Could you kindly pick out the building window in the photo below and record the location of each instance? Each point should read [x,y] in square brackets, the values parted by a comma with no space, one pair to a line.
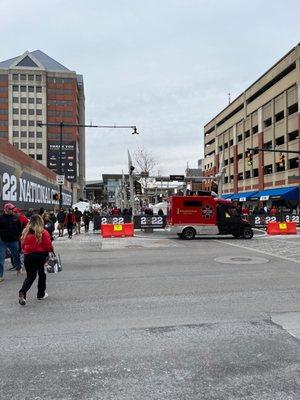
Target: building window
[38,123]
[255,129]
[39,157]
[267,122]
[240,176]
[240,156]
[15,77]
[15,134]
[15,88]
[31,111]
[268,169]
[38,112]
[23,122]
[293,135]
[231,160]
[31,145]
[225,162]
[31,89]
[231,177]
[39,89]
[15,99]
[16,122]
[23,111]
[23,88]
[23,145]
[23,77]
[279,116]
[15,111]
[247,134]
[279,141]
[23,134]
[226,179]
[268,145]
[231,142]
[31,134]
[31,123]
[23,100]
[220,148]
[255,173]
[240,138]
[16,145]
[247,174]
[31,155]
[30,77]
[31,100]
[39,145]
[293,109]
[39,134]
[293,163]
[226,145]
[38,101]
[38,78]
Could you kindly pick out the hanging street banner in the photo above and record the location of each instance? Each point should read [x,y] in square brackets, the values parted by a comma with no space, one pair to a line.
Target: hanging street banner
[27,191]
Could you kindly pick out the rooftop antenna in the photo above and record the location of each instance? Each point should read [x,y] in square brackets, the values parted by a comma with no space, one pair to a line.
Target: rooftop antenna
[229,100]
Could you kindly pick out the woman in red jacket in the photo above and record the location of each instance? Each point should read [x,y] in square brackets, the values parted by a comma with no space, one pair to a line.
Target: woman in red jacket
[36,245]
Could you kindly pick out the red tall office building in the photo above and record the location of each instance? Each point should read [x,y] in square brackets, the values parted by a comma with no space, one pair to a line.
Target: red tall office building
[34,89]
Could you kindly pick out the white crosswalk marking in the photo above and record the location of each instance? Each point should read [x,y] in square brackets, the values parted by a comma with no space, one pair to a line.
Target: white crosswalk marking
[286,248]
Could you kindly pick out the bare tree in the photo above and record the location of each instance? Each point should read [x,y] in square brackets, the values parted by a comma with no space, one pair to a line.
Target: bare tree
[144,160]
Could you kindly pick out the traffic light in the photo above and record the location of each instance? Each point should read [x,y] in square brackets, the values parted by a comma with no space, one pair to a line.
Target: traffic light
[249,158]
[282,160]
[137,187]
[132,168]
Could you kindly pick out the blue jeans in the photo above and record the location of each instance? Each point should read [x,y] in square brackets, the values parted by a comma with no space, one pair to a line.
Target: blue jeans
[15,252]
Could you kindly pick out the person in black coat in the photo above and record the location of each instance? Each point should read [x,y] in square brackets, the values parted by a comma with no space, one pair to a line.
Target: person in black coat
[48,225]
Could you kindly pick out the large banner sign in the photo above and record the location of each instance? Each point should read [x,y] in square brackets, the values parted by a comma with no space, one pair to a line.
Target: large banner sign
[26,191]
[263,220]
[68,159]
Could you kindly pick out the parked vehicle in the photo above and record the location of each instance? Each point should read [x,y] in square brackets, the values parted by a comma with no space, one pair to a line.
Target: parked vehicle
[189,216]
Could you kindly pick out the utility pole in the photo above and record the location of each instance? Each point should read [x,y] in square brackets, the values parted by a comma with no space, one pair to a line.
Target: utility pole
[130,171]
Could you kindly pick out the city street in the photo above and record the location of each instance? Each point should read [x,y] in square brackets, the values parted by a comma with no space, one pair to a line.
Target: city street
[156,317]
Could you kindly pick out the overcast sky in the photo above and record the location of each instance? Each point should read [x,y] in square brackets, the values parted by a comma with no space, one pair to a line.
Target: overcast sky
[164,65]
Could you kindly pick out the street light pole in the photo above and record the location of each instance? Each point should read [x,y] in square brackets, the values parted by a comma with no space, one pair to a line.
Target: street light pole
[62,124]
[60,164]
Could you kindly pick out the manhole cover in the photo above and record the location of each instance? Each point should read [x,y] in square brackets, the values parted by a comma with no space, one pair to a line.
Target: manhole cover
[241,260]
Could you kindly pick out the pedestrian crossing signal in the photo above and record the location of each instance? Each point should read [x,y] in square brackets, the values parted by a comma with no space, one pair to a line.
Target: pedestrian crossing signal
[55,196]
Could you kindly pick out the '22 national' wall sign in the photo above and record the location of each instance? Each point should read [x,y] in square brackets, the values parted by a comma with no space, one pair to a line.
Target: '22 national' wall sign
[25,190]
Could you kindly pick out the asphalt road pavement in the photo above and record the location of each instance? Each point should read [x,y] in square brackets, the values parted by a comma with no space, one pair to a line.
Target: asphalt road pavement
[155,317]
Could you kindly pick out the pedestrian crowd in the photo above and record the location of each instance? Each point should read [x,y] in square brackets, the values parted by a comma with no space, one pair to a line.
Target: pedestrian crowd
[26,239]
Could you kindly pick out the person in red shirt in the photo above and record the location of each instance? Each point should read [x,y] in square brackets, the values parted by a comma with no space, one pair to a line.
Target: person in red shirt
[70,221]
[36,245]
[24,220]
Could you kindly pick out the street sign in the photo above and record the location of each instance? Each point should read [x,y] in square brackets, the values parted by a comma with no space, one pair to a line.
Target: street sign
[179,178]
[60,179]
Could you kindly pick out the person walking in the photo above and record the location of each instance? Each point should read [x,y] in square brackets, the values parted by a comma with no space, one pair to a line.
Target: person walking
[70,221]
[78,215]
[61,216]
[10,233]
[36,245]
[48,224]
[86,217]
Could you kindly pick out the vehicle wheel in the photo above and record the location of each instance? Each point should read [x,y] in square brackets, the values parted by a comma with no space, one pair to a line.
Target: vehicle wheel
[188,233]
[179,235]
[247,232]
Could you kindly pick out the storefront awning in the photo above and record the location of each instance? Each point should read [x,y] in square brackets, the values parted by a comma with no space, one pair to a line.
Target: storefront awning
[286,193]
[226,196]
[242,196]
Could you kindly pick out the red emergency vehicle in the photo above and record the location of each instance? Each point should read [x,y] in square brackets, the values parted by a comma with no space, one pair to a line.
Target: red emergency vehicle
[192,215]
